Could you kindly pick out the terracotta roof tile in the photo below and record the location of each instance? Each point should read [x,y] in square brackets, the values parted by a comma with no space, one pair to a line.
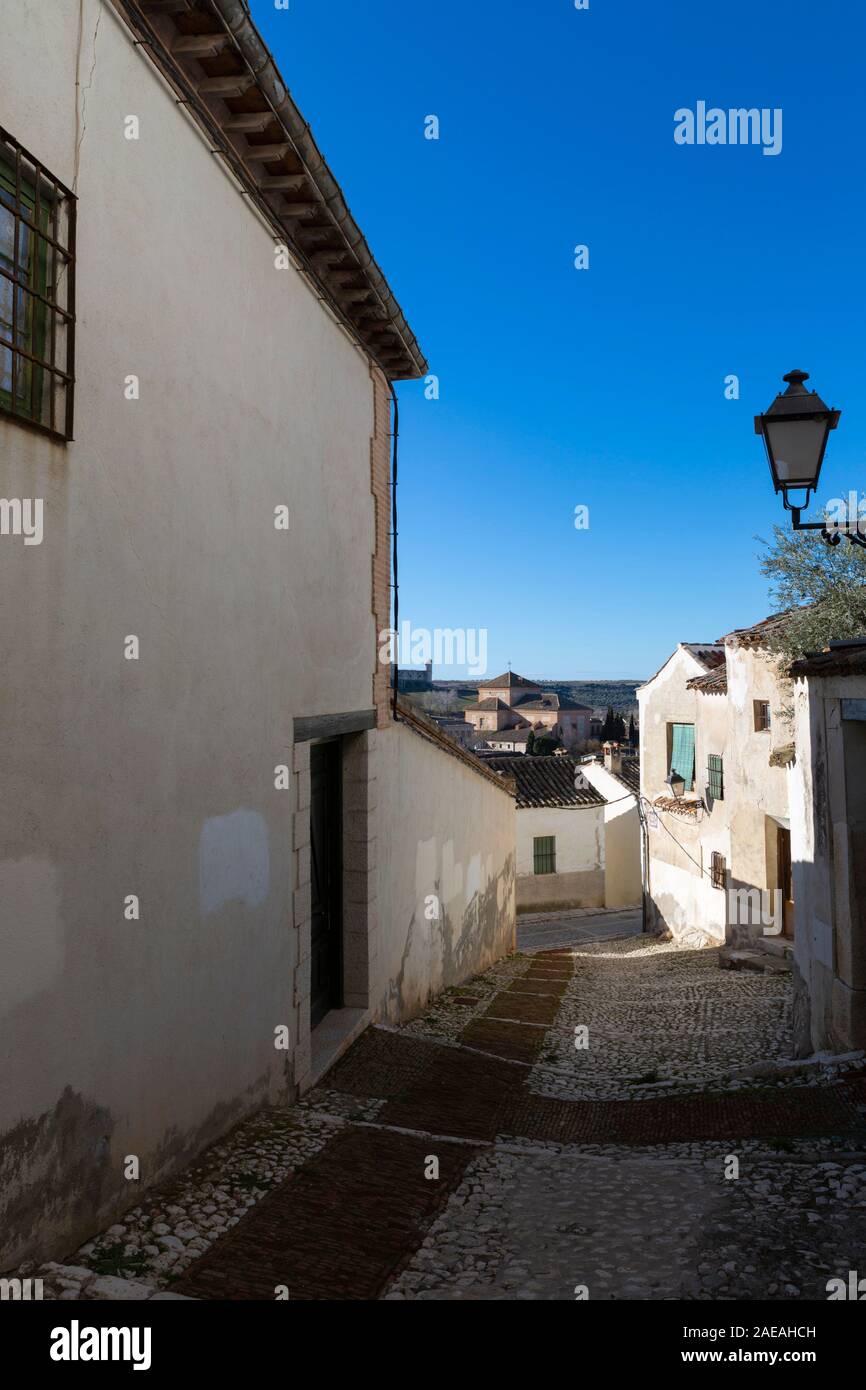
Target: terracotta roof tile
[758,634]
[545,781]
[511,680]
[630,774]
[551,701]
[713,683]
[838,659]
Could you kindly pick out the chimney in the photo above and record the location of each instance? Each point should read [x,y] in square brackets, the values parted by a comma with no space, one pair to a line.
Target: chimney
[613,757]
[428,667]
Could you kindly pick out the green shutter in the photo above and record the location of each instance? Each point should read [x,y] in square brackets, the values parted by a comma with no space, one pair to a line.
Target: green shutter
[544,854]
[716,777]
[683,753]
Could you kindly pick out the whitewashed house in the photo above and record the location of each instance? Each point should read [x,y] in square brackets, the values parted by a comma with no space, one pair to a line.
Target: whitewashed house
[616,777]
[221,856]
[828,847]
[718,857]
[559,833]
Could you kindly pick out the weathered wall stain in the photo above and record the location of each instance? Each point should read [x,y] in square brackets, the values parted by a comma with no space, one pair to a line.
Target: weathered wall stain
[55,1175]
[233,861]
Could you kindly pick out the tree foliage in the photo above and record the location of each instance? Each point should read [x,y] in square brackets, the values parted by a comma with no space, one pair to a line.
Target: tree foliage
[613,728]
[823,585]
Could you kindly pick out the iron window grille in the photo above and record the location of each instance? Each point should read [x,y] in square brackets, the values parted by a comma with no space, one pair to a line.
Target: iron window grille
[37,293]
[717,870]
[716,777]
[544,854]
[762,716]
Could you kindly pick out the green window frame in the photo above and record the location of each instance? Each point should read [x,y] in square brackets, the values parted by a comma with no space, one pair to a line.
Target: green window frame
[716,776]
[683,753]
[544,854]
[37,292]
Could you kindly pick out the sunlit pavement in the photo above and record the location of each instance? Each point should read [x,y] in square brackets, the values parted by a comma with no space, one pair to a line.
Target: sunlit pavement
[551,930]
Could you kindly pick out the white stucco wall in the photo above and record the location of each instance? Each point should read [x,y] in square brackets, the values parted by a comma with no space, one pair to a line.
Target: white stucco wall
[828,839]
[742,825]
[622,849]
[579,877]
[759,797]
[156,777]
[681,897]
[447,833]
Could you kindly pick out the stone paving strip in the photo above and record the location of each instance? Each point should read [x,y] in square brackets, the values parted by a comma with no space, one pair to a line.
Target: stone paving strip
[557,1170]
[553,1223]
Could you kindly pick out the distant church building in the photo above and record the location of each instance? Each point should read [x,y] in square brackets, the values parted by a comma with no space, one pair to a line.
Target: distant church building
[512,702]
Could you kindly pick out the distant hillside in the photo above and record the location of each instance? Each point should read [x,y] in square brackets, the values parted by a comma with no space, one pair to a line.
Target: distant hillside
[596,694]
[599,694]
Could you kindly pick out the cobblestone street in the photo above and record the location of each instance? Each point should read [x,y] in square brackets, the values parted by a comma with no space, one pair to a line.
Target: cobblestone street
[561,1168]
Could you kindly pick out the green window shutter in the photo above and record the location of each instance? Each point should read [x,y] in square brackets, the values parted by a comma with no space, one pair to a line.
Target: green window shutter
[544,854]
[716,777]
[683,753]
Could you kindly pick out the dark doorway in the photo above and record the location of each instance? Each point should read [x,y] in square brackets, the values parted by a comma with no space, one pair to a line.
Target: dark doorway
[326,871]
[783,843]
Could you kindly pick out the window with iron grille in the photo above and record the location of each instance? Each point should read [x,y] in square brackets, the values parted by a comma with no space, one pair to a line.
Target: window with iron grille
[717,870]
[716,777]
[544,854]
[762,716]
[37,293]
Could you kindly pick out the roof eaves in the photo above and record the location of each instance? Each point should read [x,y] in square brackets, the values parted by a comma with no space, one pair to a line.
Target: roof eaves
[420,726]
[237,95]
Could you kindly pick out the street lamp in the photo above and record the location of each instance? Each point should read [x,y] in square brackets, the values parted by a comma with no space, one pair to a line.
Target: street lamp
[676,784]
[795,431]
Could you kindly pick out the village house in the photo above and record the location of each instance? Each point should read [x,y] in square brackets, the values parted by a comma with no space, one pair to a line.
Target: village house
[718,845]
[224,850]
[559,834]
[616,777]
[506,741]
[511,701]
[828,848]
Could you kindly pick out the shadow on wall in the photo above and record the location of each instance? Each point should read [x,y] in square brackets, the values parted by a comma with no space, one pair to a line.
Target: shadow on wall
[439,951]
[62,1178]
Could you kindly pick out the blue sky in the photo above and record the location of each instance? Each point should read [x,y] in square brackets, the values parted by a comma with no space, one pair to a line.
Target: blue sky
[603,387]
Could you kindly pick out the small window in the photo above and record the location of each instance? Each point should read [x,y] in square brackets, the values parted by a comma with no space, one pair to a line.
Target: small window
[716,777]
[37,280]
[682,759]
[762,716]
[717,870]
[544,854]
